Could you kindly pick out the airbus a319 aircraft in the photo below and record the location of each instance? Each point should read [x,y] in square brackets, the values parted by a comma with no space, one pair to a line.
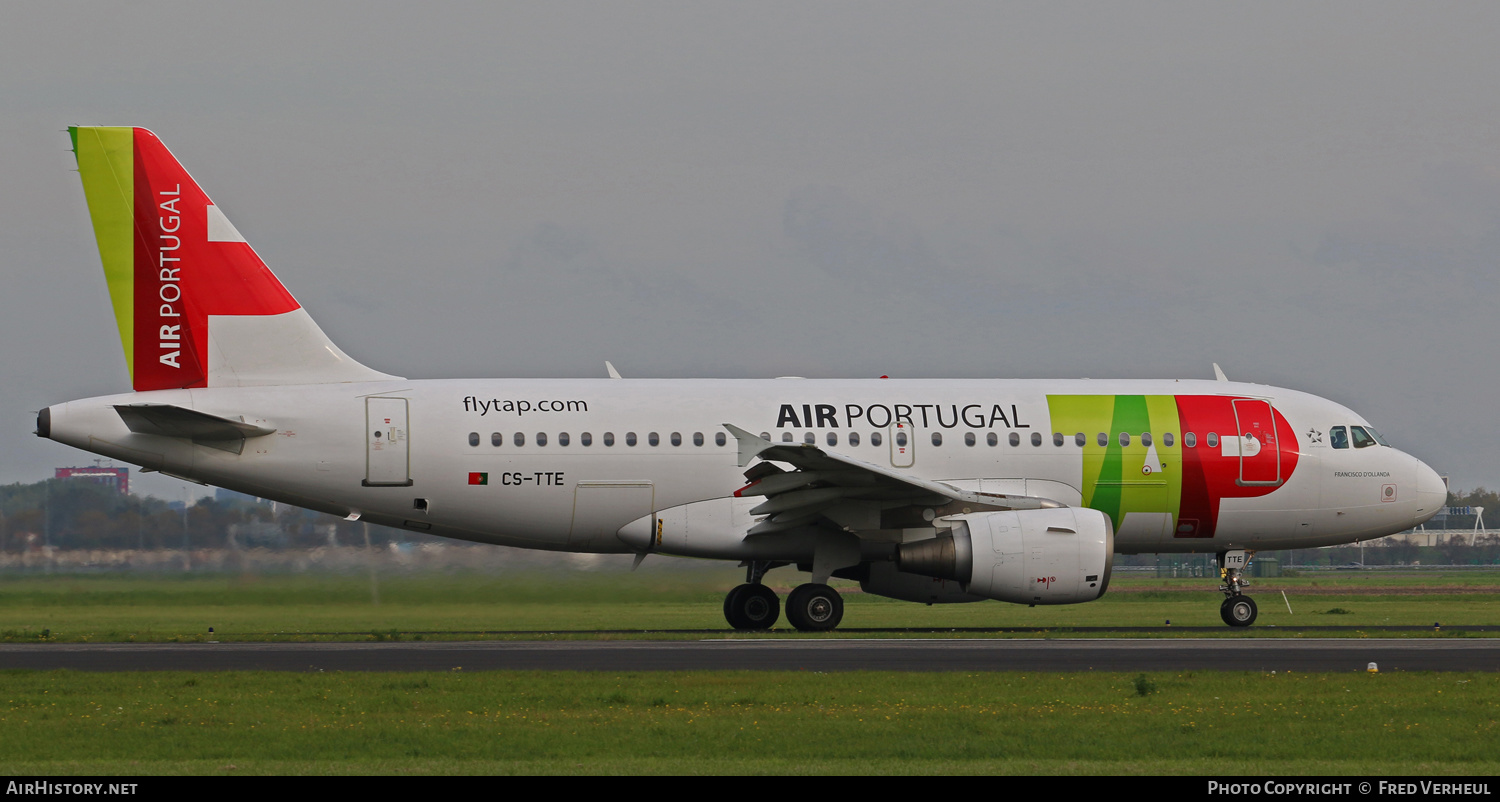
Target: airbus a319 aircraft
[928,491]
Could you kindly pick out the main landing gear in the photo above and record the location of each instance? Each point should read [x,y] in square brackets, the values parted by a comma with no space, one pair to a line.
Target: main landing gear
[1238,610]
[813,607]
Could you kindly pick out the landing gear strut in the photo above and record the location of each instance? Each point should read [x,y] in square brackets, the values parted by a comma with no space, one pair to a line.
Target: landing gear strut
[753,606]
[1238,610]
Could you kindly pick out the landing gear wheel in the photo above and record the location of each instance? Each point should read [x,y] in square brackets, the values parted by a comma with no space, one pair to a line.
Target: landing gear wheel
[1238,611]
[814,608]
[752,607]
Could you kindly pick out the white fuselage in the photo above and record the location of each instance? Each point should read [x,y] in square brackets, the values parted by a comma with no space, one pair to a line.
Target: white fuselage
[459,471]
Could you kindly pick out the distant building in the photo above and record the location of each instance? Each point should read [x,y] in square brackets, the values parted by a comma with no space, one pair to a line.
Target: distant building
[116,478]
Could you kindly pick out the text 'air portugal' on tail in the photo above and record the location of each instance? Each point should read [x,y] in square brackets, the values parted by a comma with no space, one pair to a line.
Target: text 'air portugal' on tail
[195,304]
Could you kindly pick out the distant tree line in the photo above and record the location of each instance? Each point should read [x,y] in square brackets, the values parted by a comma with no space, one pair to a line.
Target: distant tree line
[1478,497]
[80,514]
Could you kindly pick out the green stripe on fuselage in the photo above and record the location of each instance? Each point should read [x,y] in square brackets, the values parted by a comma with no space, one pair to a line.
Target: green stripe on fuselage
[106,162]
[1114,478]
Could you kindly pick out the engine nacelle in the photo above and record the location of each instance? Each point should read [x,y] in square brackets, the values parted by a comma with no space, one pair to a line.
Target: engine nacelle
[883,579]
[1048,556]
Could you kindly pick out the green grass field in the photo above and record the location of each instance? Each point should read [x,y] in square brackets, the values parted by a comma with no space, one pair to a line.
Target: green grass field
[295,606]
[1217,723]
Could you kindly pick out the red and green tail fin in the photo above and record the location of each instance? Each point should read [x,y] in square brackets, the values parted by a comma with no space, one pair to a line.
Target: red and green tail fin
[195,304]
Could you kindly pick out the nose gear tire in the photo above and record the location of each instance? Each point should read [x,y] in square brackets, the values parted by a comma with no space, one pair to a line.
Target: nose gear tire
[814,608]
[1238,611]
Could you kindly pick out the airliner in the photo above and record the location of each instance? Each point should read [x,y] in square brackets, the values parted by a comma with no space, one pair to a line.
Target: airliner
[929,491]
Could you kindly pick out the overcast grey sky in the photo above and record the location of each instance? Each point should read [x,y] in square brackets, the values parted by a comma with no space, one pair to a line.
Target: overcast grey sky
[1308,194]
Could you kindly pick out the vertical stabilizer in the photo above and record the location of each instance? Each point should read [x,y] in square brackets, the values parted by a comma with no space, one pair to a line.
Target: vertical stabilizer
[195,304]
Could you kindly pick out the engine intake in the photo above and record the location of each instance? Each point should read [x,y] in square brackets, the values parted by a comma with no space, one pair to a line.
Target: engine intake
[1047,556]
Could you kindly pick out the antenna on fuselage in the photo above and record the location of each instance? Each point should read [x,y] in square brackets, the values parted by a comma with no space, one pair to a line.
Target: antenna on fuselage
[613,374]
[1219,373]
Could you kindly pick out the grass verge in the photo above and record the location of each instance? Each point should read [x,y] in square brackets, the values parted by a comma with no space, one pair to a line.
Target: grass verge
[748,722]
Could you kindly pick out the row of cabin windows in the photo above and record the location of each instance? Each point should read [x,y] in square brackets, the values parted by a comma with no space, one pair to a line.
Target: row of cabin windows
[1058,439]
[1360,436]
[1189,439]
[587,439]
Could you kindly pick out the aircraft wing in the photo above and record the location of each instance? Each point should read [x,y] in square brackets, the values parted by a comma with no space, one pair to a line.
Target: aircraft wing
[821,480]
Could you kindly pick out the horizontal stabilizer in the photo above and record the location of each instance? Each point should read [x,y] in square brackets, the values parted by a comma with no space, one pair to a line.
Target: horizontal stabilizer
[166,420]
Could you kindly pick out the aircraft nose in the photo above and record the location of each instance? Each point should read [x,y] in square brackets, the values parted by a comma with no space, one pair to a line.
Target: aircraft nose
[1432,494]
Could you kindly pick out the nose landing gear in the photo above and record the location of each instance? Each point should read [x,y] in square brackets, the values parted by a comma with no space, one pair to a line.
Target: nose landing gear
[1238,610]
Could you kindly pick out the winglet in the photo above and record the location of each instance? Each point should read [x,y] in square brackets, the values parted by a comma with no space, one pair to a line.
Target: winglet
[750,444]
[1219,373]
[613,374]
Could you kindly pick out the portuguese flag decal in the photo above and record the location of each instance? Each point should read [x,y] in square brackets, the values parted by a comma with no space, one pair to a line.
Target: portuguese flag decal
[479,478]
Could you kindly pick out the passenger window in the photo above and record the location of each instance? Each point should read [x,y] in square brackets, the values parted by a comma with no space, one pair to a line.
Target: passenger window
[833,438]
[1015,439]
[1057,438]
[541,438]
[520,439]
[854,438]
[562,438]
[497,439]
[1338,437]
[786,437]
[901,438]
[1080,439]
[1166,439]
[1036,438]
[654,439]
[719,438]
[473,438]
[586,439]
[992,438]
[875,438]
[1190,440]
[676,438]
[1213,440]
[809,438]
[697,438]
[968,438]
[1124,438]
[1146,439]
[609,438]
[1102,440]
[937,438]
[1362,439]
[765,435]
[630,438]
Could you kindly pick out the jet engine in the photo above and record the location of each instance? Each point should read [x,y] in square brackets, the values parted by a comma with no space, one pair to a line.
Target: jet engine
[1046,556]
[884,579]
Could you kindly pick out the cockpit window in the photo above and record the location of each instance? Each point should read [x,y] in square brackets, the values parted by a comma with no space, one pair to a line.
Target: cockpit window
[1362,439]
[1338,437]
[1376,435]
